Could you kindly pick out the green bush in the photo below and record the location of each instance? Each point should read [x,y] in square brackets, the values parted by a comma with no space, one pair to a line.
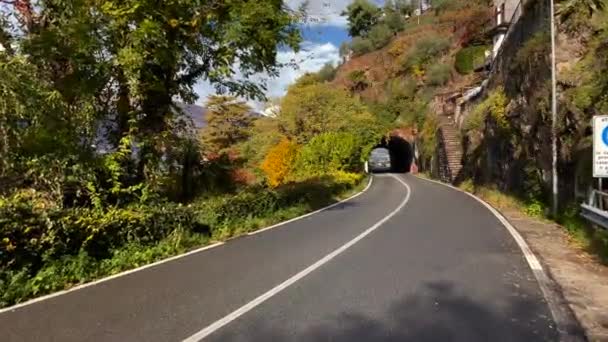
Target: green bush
[360,46]
[494,106]
[45,248]
[31,233]
[358,80]
[439,74]
[470,58]
[425,51]
[329,152]
[380,35]
[394,21]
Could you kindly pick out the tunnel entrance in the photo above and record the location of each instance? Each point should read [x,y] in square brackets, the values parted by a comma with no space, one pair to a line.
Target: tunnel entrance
[401,153]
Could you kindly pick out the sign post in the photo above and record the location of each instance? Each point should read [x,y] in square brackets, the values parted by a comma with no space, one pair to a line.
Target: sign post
[600,148]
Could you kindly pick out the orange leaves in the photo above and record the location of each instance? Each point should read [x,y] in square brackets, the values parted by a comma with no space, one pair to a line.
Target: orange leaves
[279,161]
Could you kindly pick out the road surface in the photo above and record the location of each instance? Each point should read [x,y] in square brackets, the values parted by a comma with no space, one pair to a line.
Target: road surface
[408,260]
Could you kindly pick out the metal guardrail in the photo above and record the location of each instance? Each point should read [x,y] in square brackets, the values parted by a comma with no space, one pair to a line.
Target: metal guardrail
[595,210]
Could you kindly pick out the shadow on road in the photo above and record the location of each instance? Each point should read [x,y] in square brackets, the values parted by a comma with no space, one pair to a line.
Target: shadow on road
[438,314]
[343,205]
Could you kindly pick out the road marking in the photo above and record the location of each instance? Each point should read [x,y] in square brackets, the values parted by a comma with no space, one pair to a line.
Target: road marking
[176,257]
[369,184]
[563,319]
[275,290]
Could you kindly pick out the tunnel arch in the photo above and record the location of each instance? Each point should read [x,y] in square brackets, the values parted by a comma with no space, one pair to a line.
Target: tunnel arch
[401,152]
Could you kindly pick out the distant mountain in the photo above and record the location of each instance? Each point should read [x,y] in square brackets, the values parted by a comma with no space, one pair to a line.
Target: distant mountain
[197,113]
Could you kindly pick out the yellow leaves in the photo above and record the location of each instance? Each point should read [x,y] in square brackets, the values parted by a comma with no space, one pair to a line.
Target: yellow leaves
[173,23]
[495,105]
[418,71]
[8,245]
[279,161]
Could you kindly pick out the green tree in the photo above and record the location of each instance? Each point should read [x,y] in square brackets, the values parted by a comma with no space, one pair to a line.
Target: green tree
[362,16]
[122,65]
[328,72]
[380,35]
[361,45]
[229,123]
[317,108]
[405,7]
[330,152]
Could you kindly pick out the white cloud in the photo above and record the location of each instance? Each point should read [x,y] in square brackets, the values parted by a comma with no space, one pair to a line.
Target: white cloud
[310,58]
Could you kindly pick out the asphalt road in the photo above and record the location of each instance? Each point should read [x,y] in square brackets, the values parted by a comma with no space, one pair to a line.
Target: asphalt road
[424,264]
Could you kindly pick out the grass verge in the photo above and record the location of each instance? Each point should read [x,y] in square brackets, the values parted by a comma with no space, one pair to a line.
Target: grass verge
[582,233]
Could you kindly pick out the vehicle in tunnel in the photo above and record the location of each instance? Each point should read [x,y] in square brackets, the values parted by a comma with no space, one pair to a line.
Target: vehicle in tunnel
[379,160]
[400,155]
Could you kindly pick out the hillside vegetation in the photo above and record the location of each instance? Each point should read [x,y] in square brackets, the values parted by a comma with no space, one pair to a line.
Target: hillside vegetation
[399,79]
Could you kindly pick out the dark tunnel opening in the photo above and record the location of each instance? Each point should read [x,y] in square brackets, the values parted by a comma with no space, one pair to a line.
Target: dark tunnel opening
[401,153]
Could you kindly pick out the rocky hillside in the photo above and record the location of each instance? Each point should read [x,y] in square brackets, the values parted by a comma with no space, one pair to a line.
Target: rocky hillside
[405,59]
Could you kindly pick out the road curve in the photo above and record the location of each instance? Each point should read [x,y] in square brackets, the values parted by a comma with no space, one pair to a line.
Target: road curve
[439,268]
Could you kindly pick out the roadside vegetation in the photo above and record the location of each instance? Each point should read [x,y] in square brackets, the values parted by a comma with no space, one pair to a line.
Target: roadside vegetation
[102,170]
[591,239]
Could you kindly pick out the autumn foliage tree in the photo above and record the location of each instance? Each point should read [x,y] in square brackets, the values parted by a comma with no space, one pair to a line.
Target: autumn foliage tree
[229,122]
[279,162]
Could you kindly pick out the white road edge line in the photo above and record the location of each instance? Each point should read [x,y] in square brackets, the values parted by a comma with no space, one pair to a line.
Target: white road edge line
[275,290]
[369,184]
[547,287]
[117,275]
[141,268]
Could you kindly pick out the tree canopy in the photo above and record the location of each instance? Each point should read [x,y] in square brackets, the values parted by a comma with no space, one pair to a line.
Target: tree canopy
[316,108]
[229,122]
[362,16]
[87,75]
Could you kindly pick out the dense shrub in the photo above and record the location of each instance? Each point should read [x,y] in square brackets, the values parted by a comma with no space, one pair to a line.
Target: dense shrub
[439,74]
[360,46]
[31,232]
[358,80]
[329,152]
[279,161]
[470,58]
[380,35]
[327,72]
[45,249]
[494,106]
[425,51]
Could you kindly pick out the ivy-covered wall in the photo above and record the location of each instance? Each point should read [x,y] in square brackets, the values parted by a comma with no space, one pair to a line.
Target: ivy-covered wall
[506,129]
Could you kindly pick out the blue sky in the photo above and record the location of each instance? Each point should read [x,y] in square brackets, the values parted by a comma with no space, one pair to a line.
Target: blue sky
[322,40]
[335,35]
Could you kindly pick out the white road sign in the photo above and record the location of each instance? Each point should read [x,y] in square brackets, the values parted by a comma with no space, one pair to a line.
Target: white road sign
[600,146]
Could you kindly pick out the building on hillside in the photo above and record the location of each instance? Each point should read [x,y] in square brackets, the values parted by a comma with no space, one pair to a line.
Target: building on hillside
[421,6]
[506,12]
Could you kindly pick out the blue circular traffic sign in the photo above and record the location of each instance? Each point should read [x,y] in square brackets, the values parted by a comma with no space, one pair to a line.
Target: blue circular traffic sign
[605,135]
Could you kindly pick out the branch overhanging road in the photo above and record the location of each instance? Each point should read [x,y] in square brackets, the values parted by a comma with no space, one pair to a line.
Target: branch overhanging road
[407,260]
